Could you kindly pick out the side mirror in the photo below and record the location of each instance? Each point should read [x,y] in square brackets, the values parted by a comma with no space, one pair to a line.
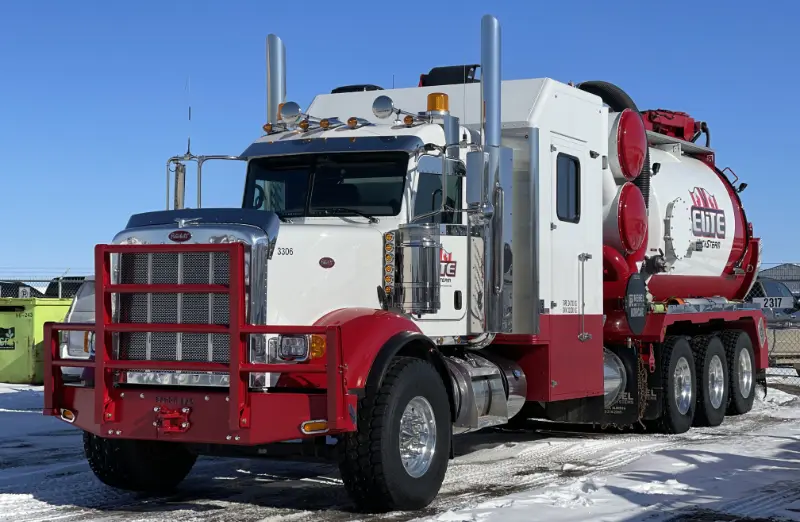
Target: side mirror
[476,167]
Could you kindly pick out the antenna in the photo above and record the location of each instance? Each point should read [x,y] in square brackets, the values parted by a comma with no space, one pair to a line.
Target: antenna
[464,100]
[392,81]
[189,125]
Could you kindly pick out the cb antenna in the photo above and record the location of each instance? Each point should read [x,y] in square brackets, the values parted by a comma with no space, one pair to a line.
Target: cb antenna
[189,125]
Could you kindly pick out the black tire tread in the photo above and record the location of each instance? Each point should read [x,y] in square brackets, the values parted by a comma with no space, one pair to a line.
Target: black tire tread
[700,344]
[664,424]
[730,338]
[360,460]
[138,465]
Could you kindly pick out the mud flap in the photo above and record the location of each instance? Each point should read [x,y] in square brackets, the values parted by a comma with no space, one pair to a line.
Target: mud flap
[655,390]
[761,381]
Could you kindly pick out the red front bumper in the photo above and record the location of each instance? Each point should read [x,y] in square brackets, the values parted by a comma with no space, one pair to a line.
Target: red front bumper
[235,415]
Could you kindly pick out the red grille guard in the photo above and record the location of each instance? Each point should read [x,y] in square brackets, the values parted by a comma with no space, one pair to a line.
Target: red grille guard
[252,417]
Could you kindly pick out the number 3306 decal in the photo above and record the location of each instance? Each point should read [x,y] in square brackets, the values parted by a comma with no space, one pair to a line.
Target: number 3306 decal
[285,251]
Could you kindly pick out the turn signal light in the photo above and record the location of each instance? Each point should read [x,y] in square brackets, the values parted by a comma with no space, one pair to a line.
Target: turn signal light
[352,122]
[438,102]
[267,127]
[303,125]
[408,120]
[317,348]
[314,426]
[67,415]
[324,124]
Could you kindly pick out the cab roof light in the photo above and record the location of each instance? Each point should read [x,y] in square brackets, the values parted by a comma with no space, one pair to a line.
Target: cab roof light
[274,128]
[354,122]
[438,103]
[330,123]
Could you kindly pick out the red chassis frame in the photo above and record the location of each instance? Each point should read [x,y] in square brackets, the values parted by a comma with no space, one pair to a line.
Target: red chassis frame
[176,414]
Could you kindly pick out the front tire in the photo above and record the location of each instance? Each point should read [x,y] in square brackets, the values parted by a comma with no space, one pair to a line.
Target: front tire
[679,382]
[713,380]
[741,368]
[398,457]
[138,465]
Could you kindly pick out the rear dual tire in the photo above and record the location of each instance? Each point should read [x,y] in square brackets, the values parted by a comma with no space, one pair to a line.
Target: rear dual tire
[679,384]
[741,371]
[713,383]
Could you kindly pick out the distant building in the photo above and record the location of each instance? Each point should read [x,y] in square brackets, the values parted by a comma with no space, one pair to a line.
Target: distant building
[787,273]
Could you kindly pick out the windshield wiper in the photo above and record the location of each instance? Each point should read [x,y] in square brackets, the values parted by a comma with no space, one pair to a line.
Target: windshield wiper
[284,215]
[346,209]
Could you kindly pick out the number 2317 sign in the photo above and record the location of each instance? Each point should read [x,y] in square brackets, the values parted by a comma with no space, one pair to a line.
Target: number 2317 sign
[774,302]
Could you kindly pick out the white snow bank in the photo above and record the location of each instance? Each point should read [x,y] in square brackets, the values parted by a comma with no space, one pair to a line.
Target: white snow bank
[752,471]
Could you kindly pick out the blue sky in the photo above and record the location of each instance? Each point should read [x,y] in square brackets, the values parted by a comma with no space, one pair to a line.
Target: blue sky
[93,94]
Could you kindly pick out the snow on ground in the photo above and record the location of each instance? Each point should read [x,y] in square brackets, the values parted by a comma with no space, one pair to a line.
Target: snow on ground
[748,469]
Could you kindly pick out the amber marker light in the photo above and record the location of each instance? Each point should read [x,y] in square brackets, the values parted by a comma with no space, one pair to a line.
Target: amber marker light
[438,102]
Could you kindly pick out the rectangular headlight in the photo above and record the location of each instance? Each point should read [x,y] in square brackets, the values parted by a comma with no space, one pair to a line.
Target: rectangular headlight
[293,348]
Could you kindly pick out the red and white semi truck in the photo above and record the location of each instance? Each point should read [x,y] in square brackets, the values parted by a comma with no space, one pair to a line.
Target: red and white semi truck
[412,264]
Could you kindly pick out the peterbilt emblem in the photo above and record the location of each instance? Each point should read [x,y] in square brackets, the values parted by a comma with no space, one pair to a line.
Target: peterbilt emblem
[179,236]
[326,262]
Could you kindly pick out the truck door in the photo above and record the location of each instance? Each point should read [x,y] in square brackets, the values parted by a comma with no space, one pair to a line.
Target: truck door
[576,277]
[453,263]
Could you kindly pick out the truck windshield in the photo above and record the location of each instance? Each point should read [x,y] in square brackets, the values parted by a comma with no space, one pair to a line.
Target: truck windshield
[362,183]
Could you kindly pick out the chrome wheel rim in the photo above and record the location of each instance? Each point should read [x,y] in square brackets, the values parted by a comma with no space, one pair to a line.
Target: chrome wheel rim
[682,387]
[745,374]
[716,382]
[417,436]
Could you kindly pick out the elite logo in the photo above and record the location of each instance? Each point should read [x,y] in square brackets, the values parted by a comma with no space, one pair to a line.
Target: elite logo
[447,267]
[708,220]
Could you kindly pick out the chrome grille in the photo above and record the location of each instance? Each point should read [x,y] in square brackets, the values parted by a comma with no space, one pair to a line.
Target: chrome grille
[174,268]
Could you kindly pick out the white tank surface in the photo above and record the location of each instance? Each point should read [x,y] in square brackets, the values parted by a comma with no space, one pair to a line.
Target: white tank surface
[693,219]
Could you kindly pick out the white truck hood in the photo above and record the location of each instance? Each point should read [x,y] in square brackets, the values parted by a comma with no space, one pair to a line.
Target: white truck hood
[318,268]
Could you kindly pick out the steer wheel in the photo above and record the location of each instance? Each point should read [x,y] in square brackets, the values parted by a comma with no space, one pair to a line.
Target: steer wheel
[138,465]
[398,457]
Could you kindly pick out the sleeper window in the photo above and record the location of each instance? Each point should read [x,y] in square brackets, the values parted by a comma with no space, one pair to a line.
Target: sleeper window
[568,193]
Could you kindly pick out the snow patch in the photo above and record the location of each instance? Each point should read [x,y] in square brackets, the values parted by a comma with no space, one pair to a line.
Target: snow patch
[668,487]
[776,396]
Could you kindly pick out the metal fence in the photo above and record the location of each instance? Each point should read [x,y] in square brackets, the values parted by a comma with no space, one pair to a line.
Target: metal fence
[37,286]
[778,289]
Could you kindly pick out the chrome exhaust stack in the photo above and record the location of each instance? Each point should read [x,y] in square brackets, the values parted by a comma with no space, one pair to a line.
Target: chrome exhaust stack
[276,77]
[489,175]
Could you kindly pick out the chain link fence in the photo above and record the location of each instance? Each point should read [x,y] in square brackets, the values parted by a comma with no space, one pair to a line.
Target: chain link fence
[19,285]
[777,289]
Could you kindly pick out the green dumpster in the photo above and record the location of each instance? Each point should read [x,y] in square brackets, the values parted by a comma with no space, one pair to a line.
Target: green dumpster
[22,335]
